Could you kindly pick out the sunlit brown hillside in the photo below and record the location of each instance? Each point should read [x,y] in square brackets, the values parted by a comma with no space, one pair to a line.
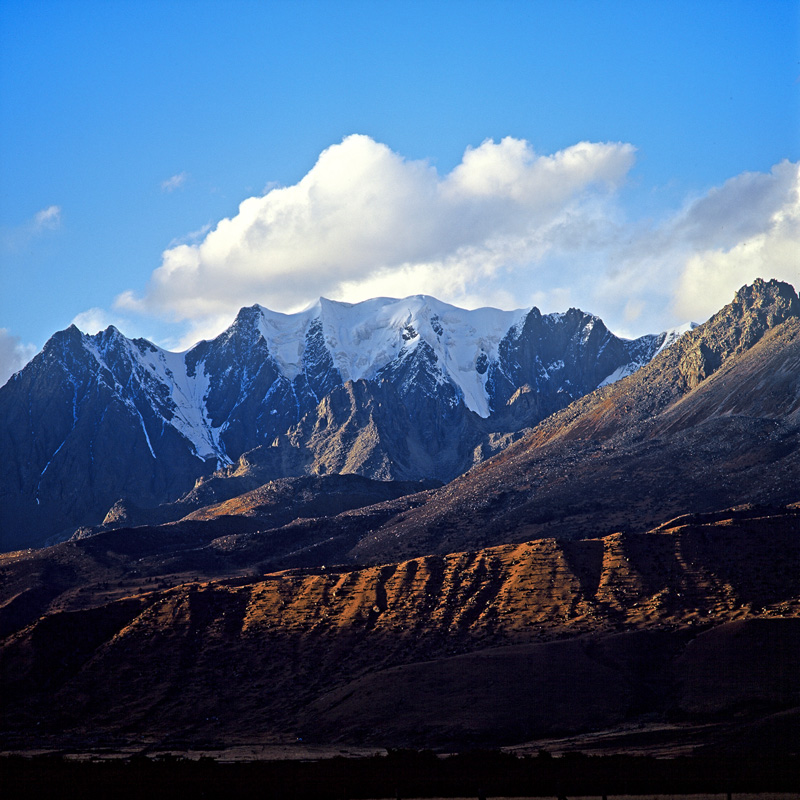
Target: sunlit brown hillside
[492,647]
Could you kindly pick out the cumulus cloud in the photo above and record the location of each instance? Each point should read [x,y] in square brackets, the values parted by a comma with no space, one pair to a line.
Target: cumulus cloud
[364,220]
[763,244]
[14,355]
[507,226]
[174,182]
[641,276]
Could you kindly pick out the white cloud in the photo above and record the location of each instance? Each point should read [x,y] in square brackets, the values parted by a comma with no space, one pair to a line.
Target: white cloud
[14,355]
[365,221]
[646,277]
[192,236]
[20,236]
[767,244]
[94,320]
[507,227]
[174,182]
[48,218]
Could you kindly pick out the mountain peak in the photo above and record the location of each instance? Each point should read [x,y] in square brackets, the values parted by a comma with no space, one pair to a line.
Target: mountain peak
[772,295]
[247,317]
[61,341]
[755,309]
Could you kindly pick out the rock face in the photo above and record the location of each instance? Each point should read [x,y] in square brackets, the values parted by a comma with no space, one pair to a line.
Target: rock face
[83,425]
[389,389]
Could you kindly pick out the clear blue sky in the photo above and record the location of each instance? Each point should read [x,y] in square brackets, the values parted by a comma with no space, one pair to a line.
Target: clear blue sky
[103,103]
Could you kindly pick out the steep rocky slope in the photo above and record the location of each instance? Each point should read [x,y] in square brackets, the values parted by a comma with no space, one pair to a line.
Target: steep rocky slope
[711,422]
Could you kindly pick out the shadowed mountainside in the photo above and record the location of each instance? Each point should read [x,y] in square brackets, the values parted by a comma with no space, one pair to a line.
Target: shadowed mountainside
[410,389]
[244,503]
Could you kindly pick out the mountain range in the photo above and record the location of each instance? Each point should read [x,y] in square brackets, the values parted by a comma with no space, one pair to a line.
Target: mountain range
[605,558]
[409,389]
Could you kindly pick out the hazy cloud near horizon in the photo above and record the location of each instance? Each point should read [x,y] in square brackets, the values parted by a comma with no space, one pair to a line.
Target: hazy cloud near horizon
[506,227]
[762,230]
[14,355]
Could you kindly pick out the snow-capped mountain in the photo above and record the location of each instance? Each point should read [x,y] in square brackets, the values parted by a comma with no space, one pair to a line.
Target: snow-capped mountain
[386,388]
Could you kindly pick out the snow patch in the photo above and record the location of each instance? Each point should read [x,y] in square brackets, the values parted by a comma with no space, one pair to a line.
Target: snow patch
[157,368]
[668,338]
[673,334]
[620,373]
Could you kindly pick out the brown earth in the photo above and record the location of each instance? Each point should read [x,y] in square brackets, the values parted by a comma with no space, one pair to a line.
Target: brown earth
[693,622]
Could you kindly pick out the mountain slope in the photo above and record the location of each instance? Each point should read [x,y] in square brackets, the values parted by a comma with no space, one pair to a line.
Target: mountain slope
[711,422]
[389,389]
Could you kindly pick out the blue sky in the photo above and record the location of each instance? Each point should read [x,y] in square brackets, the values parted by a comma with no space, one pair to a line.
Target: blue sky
[392,148]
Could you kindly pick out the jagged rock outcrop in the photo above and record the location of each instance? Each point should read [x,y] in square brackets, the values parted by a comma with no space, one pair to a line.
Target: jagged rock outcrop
[755,310]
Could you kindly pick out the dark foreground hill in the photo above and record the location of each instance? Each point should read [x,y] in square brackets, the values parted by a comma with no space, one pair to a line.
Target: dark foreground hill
[400,773]
[691,630]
